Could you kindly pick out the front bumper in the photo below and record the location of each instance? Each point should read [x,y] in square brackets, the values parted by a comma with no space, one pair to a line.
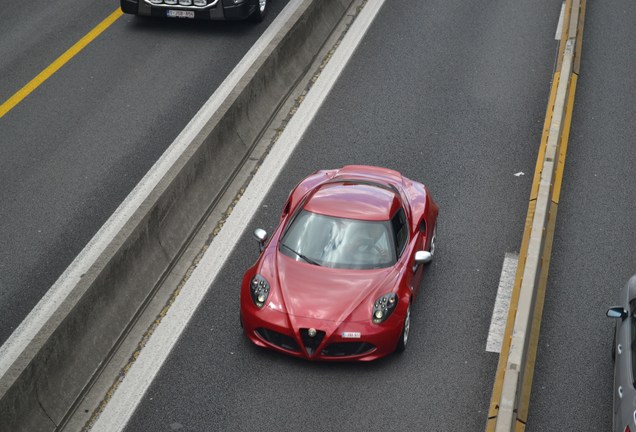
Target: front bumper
[217,12]
[288,334]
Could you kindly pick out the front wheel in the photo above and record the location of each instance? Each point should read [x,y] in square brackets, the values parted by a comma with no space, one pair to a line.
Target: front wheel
[261,10]
[129,7]
[614,345]
[431,248]
[404,337]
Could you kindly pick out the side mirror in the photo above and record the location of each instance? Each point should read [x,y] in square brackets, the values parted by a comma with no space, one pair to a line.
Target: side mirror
[423,257]
[261,236]
[617,312]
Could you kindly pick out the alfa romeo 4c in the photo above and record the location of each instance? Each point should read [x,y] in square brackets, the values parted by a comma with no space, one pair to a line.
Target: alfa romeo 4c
[337,279]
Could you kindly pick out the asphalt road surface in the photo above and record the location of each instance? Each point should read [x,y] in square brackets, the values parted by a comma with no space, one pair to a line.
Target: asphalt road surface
[73,149]
[448,92]
[595,238]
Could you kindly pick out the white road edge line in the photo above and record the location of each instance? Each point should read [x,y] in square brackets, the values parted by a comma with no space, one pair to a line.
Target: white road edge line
[31,326]
[140,376]
[559,29]
[502,303]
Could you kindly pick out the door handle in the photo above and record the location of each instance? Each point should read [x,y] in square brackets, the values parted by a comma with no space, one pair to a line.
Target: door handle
[620,392]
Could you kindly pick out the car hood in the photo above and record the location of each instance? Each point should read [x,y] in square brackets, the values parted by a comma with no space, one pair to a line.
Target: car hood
[323,293]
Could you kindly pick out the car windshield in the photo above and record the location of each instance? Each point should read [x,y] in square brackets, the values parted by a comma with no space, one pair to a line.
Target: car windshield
[339,243]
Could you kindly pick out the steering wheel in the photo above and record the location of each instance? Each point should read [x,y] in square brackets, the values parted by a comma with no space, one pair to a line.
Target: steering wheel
[368,246]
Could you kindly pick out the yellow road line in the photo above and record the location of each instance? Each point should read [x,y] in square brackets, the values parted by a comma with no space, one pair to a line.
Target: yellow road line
[514,300]
[558,178]
[58,63]
[579,38]
[524,399]
[564,33]
[524,402]
[544,138]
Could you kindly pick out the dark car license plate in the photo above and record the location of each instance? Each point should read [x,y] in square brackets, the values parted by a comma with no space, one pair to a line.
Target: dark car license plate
[179,14]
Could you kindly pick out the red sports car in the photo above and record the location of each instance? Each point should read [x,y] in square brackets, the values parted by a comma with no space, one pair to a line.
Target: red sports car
[337,279]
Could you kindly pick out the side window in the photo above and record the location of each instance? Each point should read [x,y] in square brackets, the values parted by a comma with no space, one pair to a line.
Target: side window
[400,231]
[423,226]
[632,329]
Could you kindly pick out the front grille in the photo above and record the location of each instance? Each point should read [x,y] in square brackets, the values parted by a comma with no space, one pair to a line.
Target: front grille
[343,349]
[190,4]
[311,343]
[278,339]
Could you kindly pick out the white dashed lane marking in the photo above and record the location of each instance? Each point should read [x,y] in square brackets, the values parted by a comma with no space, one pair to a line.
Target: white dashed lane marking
[141,374]
[502,303]
[559,28]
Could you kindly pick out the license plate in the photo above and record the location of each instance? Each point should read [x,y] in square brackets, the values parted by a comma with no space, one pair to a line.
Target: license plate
[180,14]
[351,335]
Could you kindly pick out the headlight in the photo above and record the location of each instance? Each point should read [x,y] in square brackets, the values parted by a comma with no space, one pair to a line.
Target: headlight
[259,289]
[383,307]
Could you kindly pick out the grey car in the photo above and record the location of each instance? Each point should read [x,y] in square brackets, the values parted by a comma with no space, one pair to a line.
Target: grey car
[624,355]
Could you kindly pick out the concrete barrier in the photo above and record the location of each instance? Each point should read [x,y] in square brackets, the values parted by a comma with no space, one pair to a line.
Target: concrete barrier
[510,399]
[52,369]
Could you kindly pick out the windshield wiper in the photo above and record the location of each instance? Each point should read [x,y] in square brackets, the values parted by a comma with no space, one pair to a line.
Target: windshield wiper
[303,257]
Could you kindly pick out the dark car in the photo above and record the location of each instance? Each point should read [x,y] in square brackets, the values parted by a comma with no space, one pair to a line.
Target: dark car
[217,10]
[337,279]
[624,355]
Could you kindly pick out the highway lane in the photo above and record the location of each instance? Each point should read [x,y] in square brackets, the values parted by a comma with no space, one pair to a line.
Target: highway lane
[452,94]
[73,150]
[595,240]
[33,34]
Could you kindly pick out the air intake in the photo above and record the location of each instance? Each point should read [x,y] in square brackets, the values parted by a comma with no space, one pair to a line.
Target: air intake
[311,342]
